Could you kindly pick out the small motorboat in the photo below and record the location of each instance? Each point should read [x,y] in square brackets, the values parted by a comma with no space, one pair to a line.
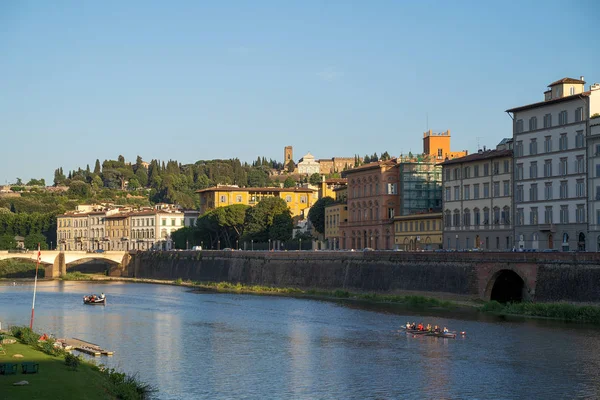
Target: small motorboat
[94,300]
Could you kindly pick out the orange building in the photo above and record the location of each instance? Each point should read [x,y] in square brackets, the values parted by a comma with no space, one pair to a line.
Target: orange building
[437,145]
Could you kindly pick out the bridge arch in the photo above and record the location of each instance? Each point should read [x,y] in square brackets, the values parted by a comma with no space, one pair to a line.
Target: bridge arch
[507,285]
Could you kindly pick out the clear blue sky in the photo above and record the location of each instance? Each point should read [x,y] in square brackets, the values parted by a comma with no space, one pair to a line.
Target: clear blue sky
[190,80]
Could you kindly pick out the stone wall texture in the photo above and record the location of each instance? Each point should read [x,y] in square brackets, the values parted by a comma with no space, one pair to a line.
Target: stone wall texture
[547,276]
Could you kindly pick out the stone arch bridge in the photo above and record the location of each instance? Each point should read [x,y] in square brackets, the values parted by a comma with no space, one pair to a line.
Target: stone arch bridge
[56,263]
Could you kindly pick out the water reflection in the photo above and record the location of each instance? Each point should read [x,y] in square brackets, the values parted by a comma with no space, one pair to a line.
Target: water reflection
[206,345]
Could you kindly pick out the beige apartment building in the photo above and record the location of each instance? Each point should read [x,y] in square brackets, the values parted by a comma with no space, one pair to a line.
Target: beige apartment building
[417,232]
[477,200]
[551,161]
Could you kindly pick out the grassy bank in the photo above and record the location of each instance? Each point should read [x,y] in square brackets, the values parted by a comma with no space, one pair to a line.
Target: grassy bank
[62,375]
[560,311]
[11,268]
[412,301]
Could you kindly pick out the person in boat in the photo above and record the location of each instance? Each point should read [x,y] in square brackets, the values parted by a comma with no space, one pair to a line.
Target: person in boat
[428,328]
[102,296]
[445,330]
[420,327]
[408,325]
[413,326]
[436,329]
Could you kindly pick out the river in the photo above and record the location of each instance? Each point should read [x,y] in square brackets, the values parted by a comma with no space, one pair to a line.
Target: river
[226,346]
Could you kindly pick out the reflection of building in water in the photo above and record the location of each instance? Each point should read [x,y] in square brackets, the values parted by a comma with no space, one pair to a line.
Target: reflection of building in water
[168,349]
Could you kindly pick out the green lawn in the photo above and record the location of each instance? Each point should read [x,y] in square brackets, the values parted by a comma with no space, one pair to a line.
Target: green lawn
[54,380]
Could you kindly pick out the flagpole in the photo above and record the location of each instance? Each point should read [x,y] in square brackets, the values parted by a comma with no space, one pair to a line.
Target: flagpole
[37,264]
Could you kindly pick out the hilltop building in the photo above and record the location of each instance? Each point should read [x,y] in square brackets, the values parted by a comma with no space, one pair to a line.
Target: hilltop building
[437,145]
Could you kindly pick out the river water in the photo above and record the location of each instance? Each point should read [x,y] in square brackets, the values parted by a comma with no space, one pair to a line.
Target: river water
[225,346]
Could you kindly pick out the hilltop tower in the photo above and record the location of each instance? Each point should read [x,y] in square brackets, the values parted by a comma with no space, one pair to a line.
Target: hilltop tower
[288,155]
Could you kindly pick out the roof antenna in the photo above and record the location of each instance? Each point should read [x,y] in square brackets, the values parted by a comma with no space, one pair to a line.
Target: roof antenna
[478,147]
[427,119]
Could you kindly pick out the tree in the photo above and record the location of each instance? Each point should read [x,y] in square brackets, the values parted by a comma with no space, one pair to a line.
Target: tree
[97,169]
[257,178]
[59,177]
[316,215]
[36,182]
[290,167]
[315,179]
[79,189]
[32,240]
[19,182]
[374,157]
[289,182]
[121,159]
[367,159]
[282,227]
[7,242]
[133,184]
[260,218]
[385,156]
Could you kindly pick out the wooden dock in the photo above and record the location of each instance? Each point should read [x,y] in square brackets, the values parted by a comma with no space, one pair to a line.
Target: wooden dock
[87,347]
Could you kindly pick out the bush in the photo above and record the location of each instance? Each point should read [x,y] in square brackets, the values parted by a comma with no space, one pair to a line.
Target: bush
[72,361]
[48,347]
[24,334]
[128,387]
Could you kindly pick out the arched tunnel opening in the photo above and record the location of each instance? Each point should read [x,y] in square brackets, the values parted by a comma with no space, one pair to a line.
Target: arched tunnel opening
[508,287]
[90,266]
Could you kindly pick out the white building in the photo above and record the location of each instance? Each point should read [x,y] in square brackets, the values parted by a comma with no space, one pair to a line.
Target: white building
[550,167]
[308,165]
[477,200]
[593,146]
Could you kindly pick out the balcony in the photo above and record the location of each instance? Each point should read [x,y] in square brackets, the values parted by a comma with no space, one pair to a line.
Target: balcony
[547,228]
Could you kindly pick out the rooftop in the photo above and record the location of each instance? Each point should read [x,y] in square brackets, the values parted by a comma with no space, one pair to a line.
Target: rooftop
[253,189]
[480,155]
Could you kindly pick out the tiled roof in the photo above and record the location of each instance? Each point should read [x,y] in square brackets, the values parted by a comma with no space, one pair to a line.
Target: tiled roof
[484,155]
[566,80]
[544,103]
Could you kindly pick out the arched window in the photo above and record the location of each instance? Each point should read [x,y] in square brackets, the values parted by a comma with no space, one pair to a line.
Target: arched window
[467,217]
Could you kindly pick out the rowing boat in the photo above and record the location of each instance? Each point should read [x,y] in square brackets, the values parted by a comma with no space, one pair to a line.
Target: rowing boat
[447,335]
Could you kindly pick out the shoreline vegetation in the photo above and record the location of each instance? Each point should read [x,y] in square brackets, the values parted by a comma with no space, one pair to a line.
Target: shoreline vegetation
[563,311]
[61,372]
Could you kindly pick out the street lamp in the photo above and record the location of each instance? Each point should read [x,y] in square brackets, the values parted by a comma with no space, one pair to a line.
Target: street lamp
[236,244]
[202,244]
[51,245]
[300,246]
[187,244]
[218,245]
[269,244]
[252,244]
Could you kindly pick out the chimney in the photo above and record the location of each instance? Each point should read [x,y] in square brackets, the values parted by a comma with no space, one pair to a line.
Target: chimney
[581,78]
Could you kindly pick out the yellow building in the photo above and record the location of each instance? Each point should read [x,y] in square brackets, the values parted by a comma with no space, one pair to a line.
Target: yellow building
[297,199]
[328,186]
[334,214]
[118,231]
[418,231]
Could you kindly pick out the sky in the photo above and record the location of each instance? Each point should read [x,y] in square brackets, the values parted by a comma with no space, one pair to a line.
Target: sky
[194,80]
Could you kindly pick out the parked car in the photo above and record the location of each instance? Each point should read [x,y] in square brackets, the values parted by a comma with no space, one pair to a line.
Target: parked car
[197,248]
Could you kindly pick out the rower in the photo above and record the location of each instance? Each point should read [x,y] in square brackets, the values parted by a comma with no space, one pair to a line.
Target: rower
[428,327]
[445,330]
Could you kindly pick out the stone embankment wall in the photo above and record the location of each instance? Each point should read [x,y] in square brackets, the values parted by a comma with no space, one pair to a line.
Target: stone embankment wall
[547,276]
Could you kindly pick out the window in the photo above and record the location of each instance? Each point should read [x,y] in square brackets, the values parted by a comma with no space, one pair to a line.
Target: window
[579,140]
[533,216]
[486,216]
[532,123]
[548,144]
[456,192]
[519,149]
[391,212]
[486,190]
[564,214]
[579,165]
[580,188]
[391,188]
[476,171]
[580,213]
[505,216]
[519,171]
[238,198]
[547,168]
[476,217]
[563,118]
[563,142]
[448,191]
[579,114]
[288,199]
[533,170]
[223,199]
[519,125]
[506,166]
[562,166]
[447,219]
[548,121]
[533,192]
[303,199]
[520,216]
[548,191]
[506,188]
[486,169]
[598,221]
[564,190]
[548,215]
[467,172]
[496,215]
[172,221]
[496,189]
[533,147]
[476,191]
[519,194]
[467,217]
[447,171]
[467,192]
[456,217]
